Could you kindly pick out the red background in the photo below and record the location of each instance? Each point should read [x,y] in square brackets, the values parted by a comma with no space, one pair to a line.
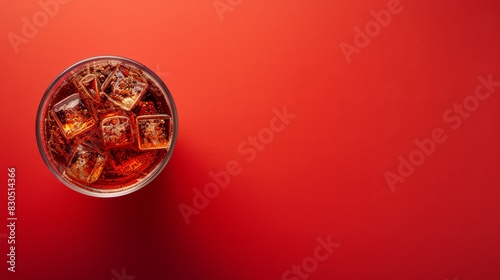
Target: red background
[323,175]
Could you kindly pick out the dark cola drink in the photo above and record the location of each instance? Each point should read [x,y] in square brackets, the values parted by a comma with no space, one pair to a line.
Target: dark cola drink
[106,126]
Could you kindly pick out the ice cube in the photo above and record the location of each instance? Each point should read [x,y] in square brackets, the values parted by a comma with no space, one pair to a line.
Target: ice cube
[116,131]
[73,116]
[153,132]
[90,86]
[86,164]
[124,87]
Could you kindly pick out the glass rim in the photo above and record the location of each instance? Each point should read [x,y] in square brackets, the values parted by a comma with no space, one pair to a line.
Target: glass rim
[41,113]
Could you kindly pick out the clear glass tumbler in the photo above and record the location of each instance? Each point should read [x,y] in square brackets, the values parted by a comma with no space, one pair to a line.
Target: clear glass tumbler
[106,126]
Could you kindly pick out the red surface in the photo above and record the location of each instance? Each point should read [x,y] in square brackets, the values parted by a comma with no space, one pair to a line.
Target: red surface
[323,175]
